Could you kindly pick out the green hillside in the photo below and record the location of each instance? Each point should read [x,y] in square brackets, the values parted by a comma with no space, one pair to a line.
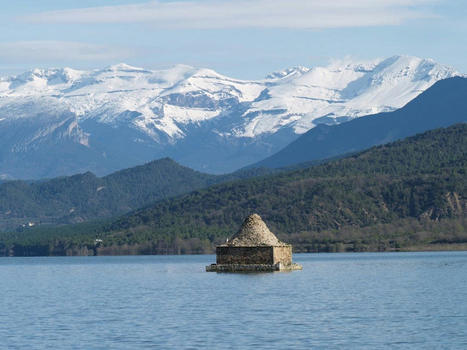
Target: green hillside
[82,197]
[406,194]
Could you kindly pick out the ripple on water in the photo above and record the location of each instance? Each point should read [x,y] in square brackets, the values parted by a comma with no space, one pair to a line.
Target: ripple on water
[348,301]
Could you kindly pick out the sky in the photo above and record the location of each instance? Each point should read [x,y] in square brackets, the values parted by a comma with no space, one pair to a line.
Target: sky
[241,38]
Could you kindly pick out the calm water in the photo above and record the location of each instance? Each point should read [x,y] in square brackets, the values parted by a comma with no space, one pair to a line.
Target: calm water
[338,301]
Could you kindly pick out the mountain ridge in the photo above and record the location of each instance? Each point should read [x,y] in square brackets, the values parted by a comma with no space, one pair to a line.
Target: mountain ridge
[441,105]
[81,197]
[121,116]
[85,196]
[408,193]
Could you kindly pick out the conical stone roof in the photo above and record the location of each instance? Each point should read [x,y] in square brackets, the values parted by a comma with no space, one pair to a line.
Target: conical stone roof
[254,232]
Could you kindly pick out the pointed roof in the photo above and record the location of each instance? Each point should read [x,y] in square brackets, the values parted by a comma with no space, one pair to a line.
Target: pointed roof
[254,232]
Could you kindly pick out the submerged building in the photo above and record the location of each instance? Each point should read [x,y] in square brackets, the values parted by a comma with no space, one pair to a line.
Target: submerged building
[253,248]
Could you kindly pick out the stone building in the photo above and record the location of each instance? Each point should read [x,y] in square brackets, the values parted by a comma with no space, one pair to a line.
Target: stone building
[253,248]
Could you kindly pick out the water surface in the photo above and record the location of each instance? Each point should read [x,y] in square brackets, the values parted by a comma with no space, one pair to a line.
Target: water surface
[338,301]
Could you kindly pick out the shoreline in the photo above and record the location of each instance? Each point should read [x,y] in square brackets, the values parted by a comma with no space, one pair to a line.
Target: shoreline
[410,249]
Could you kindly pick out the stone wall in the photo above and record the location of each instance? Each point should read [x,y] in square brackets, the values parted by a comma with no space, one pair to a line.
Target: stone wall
[245,255]
[282,255]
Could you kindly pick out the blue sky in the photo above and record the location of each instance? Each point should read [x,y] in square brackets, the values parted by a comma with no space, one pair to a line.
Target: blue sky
[240,38]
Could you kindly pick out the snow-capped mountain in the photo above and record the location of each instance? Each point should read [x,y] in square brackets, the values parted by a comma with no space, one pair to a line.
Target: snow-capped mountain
[63,121]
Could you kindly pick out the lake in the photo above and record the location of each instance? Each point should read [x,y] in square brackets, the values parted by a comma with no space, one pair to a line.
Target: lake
[338,301]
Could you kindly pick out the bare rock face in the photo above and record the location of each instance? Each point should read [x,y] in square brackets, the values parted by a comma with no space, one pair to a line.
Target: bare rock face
[254,232]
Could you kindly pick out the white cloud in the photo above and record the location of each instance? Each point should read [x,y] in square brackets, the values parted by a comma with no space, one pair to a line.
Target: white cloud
[57,51]
[247,13]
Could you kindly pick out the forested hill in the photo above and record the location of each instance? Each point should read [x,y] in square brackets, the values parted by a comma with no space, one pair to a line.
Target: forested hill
[407,193]
[82,197]
[85,196]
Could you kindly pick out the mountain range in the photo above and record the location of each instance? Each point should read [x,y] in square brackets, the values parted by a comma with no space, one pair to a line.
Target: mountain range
[83,197]
[442,105]
[56,122]
[410,193]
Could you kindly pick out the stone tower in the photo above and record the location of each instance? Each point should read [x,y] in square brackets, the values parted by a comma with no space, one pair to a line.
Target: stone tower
[253,248]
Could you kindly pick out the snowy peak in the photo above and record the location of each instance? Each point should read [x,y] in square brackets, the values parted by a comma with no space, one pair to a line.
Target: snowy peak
[123,67]
[107,119]
[43,77]
[290,72]
[397,79]
[340,91]
[413,68]
[171,100]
